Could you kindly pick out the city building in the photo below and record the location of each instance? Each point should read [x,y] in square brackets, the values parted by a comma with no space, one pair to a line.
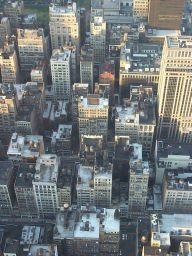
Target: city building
[32,47]
[78,91]
[86,66]
[38,249]
[85,185]
[5,30]
[91,146]
[107,76]
[24,192]
[87,230]
[93,115]
[138,183]
[8,112]
[45,185]
[174,90]
[29,109]
[25,148]
[39,74]
[103,185]
[136,118]
[61,140]
[171,156]
[74,62]
[86,235]
[61,73]
[160,241]
[64,24]
[177,191]
[9,64]
[109,232]
[14,11]
[98,38]
[165,15]
[141,8]
[6,188]
[139,64]
[65,184]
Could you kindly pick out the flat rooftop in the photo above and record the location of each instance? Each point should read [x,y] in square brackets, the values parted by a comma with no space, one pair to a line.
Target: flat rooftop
[85,176]
[176,224]
[30,235]
[30,146]
[25,175]
[88,227]
[60,55]
[179,41]
[47,166]
[166,149]
[55,9]
[103,172]
[180,179]
[43,250]
[139,167]
[65,225]
[110,223]
[102,103]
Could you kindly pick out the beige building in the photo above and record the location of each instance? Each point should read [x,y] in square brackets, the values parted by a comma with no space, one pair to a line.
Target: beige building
[93,115]
[8,113]
[175,90]
[32,47]
[64,24]
[14,10]
[9,65]
[177,191]
[39,74]
[98,38]
[141,8]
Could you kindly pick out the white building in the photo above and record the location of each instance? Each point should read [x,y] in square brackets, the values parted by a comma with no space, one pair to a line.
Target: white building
[93,115]
[25,148]
[171,156]
[103,186]
[61,73]
[85,185]
[45,185]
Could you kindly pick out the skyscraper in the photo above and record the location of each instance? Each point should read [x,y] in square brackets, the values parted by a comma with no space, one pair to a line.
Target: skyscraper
[165,14]
[175,90]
